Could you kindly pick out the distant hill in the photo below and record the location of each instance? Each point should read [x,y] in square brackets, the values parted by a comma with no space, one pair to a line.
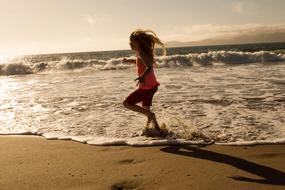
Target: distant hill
[237,39]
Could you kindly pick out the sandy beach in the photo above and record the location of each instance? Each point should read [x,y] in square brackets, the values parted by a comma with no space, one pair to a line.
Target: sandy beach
[83,83]
[32,162]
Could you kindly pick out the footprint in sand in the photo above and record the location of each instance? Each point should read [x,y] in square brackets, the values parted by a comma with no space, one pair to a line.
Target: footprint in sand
[127,185]
[130,161]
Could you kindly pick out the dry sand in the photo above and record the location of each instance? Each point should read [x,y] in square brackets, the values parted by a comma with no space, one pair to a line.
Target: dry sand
[31,162]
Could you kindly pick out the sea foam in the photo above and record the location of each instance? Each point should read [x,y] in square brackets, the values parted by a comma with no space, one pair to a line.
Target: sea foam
[221,104]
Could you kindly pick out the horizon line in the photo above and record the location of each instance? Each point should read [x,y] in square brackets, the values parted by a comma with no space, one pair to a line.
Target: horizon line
[97,51]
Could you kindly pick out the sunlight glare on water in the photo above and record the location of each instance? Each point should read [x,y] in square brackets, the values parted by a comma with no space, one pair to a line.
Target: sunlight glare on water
[222,96]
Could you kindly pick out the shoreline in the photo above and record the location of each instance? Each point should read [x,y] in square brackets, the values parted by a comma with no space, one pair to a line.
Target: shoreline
[33,162]
[137,141]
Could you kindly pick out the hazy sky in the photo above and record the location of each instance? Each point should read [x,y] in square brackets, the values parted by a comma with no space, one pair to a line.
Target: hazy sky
[45,26]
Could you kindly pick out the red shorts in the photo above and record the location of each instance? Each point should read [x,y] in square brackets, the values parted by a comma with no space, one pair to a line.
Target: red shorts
[141,95]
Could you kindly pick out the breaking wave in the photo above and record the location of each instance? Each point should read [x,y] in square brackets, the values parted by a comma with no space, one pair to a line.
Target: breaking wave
[226,57]
[15,69]
[203,59]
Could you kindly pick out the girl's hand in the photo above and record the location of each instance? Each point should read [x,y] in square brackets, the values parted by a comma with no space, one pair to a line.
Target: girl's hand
[124,60]
[140,80]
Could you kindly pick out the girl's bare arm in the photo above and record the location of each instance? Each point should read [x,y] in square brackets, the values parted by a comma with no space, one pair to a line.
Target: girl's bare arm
[148,62]
[133,61]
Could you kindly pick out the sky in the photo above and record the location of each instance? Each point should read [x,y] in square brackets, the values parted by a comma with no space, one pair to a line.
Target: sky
[51,26]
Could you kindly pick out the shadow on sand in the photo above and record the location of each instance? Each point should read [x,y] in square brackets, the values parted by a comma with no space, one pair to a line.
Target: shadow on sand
[269,175]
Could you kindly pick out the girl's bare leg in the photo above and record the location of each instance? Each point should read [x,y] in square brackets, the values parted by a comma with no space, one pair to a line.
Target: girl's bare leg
[137,108]
[151,118]
[146,112]
[148,118]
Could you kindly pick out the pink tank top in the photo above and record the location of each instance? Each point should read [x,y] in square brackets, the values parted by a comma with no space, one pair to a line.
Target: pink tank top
[150,80]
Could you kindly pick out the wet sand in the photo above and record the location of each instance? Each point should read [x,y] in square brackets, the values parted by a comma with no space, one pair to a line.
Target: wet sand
[32,162]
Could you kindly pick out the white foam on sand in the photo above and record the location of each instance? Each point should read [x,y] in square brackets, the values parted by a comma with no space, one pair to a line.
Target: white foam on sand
[142,140]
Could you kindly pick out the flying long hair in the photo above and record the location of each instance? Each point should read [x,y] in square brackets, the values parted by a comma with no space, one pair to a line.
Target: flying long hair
[147,40]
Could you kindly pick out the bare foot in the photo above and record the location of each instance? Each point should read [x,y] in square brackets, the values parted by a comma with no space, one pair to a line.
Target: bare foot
[152,118]
[150,132]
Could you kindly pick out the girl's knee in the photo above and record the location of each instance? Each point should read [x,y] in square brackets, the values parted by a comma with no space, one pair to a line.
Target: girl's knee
[146,107]
[125,103]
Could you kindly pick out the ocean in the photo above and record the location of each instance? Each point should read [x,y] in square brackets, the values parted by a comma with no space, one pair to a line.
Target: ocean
[230,95]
